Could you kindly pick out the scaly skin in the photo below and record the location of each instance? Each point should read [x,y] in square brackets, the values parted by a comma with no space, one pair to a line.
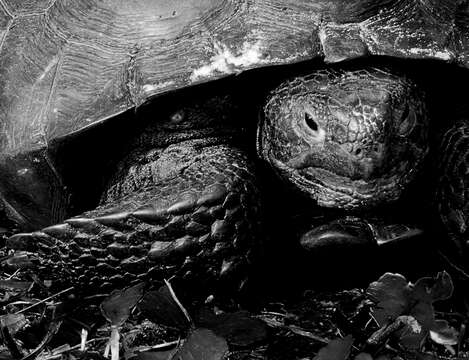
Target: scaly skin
[356,139]
[184,204]
[348,139]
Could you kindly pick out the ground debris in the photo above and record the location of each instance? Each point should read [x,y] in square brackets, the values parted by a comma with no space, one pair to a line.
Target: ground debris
[373,323]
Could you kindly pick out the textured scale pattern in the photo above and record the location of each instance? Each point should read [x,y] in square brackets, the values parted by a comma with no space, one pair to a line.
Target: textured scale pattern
[348,139]
[200,224]
[183,203]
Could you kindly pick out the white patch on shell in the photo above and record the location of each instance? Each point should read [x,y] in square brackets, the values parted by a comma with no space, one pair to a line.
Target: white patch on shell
[224,61]
[152,87]
[443,55]
[22,172]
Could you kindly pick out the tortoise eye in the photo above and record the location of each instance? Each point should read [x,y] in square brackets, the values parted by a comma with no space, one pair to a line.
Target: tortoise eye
[408,121]
[313,125]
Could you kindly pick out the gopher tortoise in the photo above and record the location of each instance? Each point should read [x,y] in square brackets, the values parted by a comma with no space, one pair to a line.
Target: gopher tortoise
[184,199]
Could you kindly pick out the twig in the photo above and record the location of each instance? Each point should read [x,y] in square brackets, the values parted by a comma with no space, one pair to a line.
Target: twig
[44,300]
[166,344]
[273,313]
[161,346]
[294,329]
[14,274]
[183,309]
[299,331]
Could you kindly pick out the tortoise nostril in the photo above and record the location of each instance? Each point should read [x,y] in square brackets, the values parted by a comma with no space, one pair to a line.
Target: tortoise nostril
[310,122]
[406,111]
[178,116]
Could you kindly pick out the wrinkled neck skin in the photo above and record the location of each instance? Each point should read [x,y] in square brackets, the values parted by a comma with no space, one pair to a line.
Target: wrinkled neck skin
[348,139]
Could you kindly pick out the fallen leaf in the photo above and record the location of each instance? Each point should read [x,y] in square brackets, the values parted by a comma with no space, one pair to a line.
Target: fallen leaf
[433,289]
[391,293]
[159,307]
[202,344]
[238,328]
[443,334]
[337,349]
[394,296]
[117,306]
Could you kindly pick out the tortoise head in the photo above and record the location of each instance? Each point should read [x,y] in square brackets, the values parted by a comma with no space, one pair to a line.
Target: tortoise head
[348,139]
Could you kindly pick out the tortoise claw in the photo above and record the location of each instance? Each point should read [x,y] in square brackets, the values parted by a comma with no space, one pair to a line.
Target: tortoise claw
[349,231]
[393,233]
[29,241]
[23,241]
[352,232]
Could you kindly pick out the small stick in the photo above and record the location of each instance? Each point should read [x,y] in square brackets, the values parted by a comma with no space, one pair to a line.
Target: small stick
[183,309]
[44,300]
[299,331]
[165,345]
[294,329]
[14,274]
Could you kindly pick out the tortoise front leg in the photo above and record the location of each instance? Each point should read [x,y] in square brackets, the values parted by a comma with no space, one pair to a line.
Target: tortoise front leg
[189,211]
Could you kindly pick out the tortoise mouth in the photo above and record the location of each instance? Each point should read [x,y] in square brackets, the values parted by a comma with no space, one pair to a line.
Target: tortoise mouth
[345,165]
[334,190]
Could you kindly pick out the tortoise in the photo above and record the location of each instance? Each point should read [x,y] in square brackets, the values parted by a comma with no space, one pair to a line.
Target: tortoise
[187,187]
[356,139]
